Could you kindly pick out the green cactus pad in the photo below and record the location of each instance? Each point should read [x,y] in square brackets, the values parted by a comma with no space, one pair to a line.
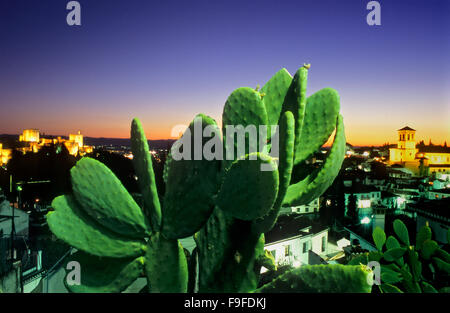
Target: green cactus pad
[441,265]
[323,278]
[442,254]
[275,91]
[362,258]
[246,108]
[227,254]
[321,113]
[213,243]
[429,247]
[166,265]
[401,231]
[414,263]
[228,257]
[102,196]
[248,192]
[374,256]
[191,185]
[295,102]
[388,288]
[71,225]
[379,237]
[316,183]
[392,242]
[428,288]
[143,167]
[423,234]
[394,254]
[390,276]
[100,274]
[286,159]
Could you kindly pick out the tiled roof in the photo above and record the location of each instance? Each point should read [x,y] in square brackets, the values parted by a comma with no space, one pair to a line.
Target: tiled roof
[407,128]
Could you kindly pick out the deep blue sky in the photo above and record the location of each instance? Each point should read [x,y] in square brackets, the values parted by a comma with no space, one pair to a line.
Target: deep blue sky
[165,61]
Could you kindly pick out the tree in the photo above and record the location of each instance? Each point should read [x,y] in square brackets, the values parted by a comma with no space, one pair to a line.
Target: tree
[352,209]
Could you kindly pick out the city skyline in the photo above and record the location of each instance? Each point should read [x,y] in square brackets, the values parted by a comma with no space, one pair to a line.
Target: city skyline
[176,59]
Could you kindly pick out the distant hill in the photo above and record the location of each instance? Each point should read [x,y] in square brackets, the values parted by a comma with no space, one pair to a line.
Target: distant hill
[153,144]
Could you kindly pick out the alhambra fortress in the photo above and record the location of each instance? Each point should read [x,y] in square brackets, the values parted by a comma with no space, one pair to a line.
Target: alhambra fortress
[33,142]
[420,159]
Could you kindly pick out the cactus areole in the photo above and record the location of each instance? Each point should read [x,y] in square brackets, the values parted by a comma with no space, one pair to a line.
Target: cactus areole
[224,188]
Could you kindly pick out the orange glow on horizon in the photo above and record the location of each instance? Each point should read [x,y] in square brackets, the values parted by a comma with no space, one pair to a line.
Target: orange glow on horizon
[358,133]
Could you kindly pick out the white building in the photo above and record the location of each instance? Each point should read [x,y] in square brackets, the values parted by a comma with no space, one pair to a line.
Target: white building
[438,194]
[312,207]
[293,241]
[21,218]
[366,198]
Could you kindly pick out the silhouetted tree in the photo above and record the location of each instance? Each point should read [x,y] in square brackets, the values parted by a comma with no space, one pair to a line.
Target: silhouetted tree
[352,210]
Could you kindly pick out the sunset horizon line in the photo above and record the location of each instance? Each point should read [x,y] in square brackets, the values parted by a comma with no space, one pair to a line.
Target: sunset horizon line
[327,144]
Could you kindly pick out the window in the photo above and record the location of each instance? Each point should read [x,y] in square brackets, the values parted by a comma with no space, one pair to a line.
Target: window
[287,250]
[306,209]
[324,243]
[304,247]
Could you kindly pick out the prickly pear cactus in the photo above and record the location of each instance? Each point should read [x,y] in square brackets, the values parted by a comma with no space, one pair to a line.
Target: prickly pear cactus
[226,204]
[424,267]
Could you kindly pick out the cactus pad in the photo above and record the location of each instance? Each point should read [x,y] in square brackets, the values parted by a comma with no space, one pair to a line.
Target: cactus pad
[190,187]
[316,183]
[247,192]
[142,162]
[275,91]
[166,265]
[100,274]
[244,107]
[323,278]
[286,160]
[321,113]
[77,229]
[103,197]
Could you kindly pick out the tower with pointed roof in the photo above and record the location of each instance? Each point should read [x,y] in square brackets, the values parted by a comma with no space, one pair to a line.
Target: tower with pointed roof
[406,146]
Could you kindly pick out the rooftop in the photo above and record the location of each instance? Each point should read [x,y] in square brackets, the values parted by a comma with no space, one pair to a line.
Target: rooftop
[407,128]
[432,207]
[433,149]
[360,188]
[291,225]
[446,191]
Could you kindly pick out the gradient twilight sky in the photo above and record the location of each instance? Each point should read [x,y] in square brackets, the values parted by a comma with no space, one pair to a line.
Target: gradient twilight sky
[166,61]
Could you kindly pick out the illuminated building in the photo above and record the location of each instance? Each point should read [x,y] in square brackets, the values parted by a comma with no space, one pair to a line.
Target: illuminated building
[74,145]
[5,155]
[420,159]
[78,139]
[30,135]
